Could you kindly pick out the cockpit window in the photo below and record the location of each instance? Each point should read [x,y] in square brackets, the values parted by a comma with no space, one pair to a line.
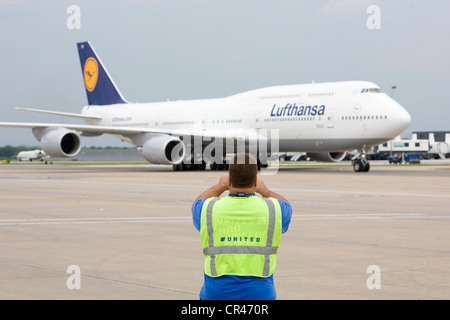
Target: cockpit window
[375,90]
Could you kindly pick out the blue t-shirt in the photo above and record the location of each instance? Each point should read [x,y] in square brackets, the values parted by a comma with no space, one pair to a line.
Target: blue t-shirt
[230,287]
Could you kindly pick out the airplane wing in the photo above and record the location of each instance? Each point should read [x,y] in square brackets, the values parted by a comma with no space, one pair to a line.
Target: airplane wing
[159,146]
[128,131]
[58,113]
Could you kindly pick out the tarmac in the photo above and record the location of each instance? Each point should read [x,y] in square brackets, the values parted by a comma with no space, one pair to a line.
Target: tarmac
[126,232]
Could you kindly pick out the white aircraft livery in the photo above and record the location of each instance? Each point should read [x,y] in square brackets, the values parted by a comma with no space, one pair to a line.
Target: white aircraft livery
[326,120]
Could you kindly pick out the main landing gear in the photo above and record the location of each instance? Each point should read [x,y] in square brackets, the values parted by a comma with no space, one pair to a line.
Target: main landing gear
[189,166]
[193,166]
[361,164]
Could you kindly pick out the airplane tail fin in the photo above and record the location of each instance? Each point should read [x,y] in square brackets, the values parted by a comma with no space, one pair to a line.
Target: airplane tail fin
[100,88]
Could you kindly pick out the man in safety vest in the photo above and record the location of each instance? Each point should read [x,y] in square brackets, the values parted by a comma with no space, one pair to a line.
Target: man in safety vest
[240,234]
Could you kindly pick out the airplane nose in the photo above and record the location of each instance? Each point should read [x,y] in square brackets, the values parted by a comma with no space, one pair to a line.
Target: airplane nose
[402,117]
[405,118]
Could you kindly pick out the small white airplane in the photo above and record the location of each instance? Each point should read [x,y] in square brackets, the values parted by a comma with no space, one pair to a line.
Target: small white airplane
[31,155]
[323,119]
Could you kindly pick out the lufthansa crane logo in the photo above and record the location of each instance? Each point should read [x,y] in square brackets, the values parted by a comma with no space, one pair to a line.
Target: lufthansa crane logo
[90,73]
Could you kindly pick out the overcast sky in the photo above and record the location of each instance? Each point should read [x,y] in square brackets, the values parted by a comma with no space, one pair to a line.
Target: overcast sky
[191,49]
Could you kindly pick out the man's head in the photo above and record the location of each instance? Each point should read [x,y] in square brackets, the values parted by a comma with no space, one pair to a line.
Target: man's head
[243,169]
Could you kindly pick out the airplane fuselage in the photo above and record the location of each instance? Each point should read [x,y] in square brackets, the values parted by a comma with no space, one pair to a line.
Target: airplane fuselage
[338,116]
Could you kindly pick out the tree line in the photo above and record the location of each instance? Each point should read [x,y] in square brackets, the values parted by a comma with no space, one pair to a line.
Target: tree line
[12,151]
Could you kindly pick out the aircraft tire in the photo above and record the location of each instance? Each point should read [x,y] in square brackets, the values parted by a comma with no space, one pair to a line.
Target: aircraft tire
[366,168]
[358,166]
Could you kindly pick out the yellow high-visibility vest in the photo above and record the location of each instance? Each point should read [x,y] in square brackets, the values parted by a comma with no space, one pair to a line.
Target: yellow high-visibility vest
[240,235]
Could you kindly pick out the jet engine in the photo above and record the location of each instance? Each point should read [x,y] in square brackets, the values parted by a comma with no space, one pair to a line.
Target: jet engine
[58,142]
[327,156]
[163,149]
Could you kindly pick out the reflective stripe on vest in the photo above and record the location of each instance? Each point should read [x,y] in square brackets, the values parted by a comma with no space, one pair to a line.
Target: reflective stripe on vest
[212,251]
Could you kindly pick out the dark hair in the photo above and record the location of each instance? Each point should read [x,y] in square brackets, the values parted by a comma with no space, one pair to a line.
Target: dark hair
[243,170]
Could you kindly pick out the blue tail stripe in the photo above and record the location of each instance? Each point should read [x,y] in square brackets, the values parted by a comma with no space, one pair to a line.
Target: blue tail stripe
[100,88]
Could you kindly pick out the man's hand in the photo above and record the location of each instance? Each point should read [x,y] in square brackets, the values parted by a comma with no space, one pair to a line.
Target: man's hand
[218,189]
[265,192]
[260,186]
[224,182]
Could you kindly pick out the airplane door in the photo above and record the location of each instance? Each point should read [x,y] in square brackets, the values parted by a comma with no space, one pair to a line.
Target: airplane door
[259,118]
[258,122]
[330,119]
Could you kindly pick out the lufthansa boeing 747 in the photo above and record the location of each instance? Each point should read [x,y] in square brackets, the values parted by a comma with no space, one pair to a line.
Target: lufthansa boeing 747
[326,120]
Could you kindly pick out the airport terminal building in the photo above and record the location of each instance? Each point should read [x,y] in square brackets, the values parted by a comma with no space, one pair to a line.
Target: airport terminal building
[438,136]
[429,144]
